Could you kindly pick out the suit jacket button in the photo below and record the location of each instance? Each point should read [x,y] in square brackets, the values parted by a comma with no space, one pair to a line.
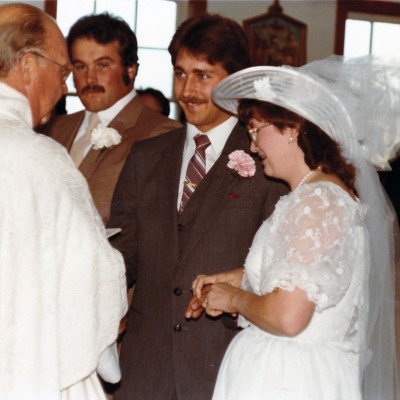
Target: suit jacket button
[177,328]
[177,291]
[180,227]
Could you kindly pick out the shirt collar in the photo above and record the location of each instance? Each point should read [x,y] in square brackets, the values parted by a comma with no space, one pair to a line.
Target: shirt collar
[106,116]
[218,135]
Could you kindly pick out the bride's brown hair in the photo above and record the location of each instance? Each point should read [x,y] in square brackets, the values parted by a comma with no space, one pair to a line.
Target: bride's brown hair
[319,149]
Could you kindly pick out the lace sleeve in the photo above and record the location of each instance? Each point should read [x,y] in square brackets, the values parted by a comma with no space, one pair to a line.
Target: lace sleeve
[316,249]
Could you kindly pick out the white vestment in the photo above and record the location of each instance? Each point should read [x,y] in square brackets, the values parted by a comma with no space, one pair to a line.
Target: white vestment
[62,286]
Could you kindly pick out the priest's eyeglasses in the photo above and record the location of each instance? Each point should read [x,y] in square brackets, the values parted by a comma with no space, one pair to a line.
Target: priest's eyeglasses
[65,69]
[253,132]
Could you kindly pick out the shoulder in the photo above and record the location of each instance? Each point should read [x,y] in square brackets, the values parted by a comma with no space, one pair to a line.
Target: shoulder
[324,200]
[157,122]
[34,154]
[151,149]
[61,124]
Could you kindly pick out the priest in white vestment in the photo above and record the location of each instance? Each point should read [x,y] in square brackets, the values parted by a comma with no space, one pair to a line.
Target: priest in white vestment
[62,286]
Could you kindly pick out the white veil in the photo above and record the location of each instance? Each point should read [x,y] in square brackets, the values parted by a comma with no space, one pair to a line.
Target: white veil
[357,102]
[370,92]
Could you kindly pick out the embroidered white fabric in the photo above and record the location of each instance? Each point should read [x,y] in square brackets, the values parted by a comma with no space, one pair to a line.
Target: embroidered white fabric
[316,241]
[62,286]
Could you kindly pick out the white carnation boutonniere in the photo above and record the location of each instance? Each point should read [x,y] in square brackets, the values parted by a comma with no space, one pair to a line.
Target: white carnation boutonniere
[242,163]
[104,137]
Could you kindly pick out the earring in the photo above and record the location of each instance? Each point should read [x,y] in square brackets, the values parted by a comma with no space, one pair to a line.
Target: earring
[291,139]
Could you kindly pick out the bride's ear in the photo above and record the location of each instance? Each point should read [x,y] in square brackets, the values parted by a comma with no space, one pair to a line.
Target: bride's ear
[292,134]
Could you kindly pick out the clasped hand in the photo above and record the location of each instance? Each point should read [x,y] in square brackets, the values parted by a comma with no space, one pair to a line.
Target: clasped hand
[214,294]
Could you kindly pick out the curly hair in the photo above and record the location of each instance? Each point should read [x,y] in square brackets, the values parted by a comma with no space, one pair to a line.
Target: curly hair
[319,149]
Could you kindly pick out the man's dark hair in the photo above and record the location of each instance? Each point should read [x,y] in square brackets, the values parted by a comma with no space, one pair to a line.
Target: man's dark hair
[105,28]
[159,96]
[215,38]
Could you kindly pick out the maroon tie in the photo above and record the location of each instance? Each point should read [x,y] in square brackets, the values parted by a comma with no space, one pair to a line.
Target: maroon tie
[196,169]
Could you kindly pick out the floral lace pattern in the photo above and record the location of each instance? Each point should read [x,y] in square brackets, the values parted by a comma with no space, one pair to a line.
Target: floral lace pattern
[313,241]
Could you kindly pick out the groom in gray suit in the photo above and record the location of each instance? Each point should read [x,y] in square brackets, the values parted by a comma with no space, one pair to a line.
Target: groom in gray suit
[103,51]
[166,242]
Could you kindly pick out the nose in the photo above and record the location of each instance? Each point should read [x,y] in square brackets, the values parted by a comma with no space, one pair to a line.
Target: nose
[91,76]
[188,86]
[253,147]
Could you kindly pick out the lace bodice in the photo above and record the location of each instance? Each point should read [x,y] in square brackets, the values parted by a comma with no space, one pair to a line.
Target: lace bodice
[314,241]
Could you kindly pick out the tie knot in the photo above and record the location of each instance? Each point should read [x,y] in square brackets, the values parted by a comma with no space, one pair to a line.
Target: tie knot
[201,140]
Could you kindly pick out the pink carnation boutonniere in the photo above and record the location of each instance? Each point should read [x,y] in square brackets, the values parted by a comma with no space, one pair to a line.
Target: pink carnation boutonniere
[242,163]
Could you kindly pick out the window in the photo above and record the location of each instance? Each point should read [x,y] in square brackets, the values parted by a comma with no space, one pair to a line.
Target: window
[366,35]
[367,27]
[154,23]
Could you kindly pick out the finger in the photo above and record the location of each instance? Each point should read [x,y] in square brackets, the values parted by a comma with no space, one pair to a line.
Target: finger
[213,313]
[194,308]
[197,285]
[204,302]
[196,314]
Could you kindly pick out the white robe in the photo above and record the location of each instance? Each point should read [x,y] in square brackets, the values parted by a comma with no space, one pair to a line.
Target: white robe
[62,286]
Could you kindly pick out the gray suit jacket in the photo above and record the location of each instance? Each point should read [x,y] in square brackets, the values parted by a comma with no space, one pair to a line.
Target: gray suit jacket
[101,168]
[164,356]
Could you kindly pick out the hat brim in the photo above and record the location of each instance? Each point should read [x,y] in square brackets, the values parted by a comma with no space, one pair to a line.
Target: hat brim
[294,89]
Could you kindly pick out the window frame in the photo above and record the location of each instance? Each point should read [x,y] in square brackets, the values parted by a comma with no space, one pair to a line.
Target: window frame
[344,7]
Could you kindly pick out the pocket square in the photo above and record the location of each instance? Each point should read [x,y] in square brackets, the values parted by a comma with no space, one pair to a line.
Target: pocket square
[233,196]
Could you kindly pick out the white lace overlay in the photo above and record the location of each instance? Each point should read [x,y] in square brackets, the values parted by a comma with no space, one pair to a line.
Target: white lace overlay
[313,241]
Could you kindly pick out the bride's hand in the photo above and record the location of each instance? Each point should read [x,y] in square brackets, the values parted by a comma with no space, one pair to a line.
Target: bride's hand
[220,299]
[200,282]
[232,276]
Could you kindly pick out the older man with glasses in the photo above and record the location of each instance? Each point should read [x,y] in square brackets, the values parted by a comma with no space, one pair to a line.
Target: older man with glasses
[62,286]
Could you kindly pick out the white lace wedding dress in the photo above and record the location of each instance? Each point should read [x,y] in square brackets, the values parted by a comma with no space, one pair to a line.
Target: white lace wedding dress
[315,241]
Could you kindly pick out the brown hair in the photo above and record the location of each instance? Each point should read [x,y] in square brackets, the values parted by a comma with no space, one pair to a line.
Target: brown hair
[319,149]
[22,29]
[214,38]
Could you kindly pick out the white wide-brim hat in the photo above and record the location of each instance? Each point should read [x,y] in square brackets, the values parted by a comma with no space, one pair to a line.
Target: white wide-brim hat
[326,93]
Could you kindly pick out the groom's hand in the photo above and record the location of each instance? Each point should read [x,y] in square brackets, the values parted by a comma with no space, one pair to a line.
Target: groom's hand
[195,307]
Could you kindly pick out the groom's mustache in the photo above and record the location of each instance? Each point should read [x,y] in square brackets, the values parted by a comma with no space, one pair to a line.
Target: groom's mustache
[93,89]
[191,100]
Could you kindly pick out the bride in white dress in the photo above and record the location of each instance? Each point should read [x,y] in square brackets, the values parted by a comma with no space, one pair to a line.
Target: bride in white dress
[317,323]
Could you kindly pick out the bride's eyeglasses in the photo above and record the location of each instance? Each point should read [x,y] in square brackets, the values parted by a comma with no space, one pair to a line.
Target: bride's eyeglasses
[253,132]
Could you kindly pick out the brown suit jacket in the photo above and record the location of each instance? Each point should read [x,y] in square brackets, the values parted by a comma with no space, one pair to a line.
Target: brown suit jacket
[101,168]
[164,356]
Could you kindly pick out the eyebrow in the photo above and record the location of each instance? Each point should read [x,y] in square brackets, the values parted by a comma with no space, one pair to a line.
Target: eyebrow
[104,58]
[195,71]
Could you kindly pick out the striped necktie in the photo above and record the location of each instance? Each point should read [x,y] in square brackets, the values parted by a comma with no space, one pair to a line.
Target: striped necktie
[196,169]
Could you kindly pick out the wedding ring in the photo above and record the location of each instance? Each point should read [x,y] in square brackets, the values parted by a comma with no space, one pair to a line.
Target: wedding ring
[205,301]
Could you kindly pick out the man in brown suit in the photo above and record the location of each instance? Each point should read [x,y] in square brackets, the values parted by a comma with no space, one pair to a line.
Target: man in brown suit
[164,356]
[103,52]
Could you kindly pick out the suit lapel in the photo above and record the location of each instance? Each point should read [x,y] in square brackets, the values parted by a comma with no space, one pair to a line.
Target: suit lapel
[168,186]
[212,190]
[124,120]
[64,130]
